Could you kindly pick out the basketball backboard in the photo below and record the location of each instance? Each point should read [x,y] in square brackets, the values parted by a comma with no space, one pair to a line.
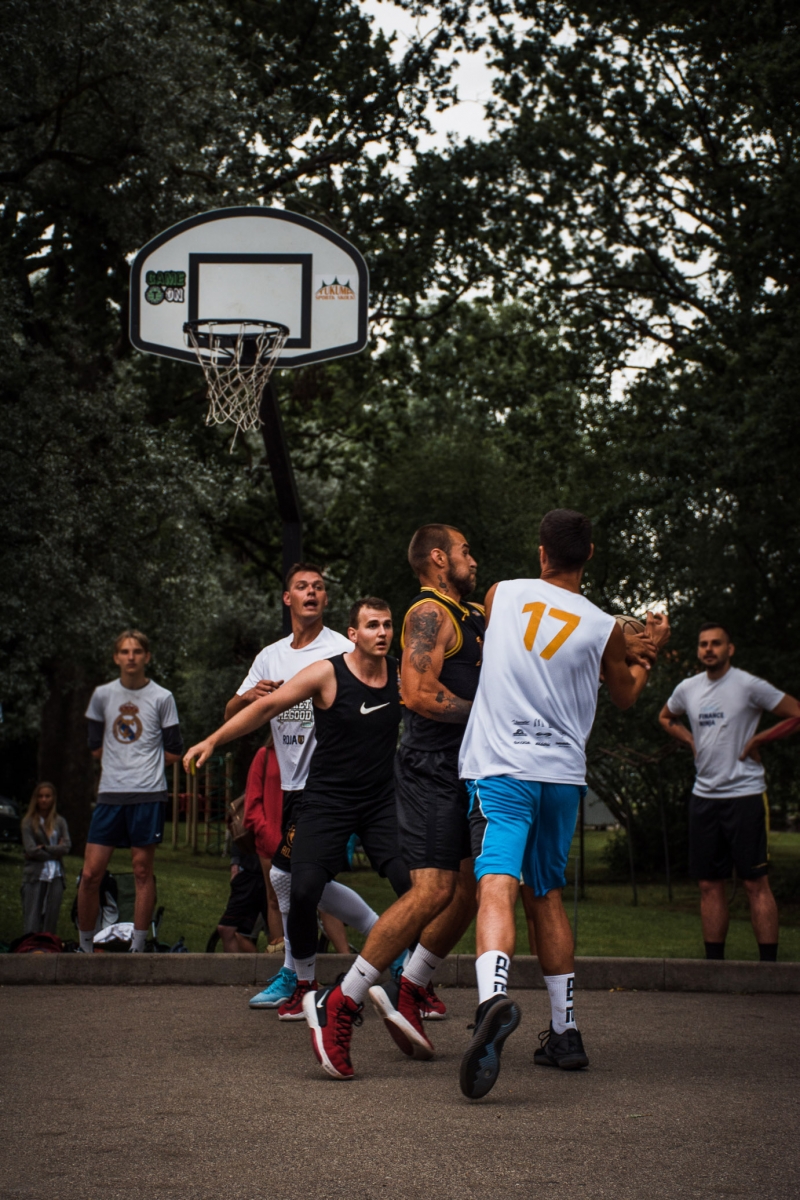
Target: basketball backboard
[251,264]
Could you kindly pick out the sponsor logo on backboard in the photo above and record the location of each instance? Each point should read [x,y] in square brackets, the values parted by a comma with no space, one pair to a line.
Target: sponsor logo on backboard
[165,285]
[333,289]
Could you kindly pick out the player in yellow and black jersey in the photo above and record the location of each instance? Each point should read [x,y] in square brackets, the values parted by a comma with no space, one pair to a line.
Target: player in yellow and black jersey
[442,646]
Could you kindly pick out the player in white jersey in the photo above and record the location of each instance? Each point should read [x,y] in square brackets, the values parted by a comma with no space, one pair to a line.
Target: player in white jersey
[294,739]
[523,757]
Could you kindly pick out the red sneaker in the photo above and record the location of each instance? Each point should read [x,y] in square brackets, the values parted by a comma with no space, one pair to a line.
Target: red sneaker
[399,1009]
[292,1009]
[331,1016]
[431,1007]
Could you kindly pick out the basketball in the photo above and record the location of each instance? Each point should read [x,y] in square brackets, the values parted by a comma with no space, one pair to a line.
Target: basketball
[630,625]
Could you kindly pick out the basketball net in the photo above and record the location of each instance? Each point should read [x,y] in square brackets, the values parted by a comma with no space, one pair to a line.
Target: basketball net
[237,362]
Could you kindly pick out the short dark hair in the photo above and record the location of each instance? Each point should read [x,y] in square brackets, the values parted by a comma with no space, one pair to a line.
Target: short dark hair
[715,625]
[367,602]
[427,538]
[566,536]
[296,568]
[137,636]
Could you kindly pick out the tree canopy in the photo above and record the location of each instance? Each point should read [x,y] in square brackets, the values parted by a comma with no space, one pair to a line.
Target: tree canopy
[592,305]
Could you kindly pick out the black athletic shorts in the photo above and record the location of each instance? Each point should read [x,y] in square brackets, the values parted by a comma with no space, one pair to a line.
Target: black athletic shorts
[724,834]
[247,901]
[432,809]
[282,858]
[325,825]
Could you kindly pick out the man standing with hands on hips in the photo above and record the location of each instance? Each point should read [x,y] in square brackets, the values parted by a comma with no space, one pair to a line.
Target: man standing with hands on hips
[728,814]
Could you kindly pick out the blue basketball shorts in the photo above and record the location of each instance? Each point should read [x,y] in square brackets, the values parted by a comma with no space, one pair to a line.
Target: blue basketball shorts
[522,828]
[124,825]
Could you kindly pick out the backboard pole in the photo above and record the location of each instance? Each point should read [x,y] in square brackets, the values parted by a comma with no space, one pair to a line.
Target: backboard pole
[280,465]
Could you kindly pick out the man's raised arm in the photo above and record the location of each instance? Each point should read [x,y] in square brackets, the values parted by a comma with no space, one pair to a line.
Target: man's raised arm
[306,685]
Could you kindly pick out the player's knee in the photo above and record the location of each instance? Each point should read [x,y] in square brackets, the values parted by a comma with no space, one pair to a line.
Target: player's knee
[91,878]
[711,887]
[307,889]
[757,887]
[142,874]
[437,892]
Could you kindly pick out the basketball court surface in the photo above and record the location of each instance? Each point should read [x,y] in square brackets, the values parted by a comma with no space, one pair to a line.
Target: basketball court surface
[183,1092]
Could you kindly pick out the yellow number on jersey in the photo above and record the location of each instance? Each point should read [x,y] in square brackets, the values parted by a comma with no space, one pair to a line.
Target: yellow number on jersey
[571,623]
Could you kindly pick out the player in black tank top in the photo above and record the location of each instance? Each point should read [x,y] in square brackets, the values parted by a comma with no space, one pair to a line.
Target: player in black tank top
[350,785]
[356,736]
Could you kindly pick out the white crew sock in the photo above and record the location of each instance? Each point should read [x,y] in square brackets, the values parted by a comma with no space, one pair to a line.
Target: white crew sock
[420,966]
[305,968]
[561,989]
[347,905]
[492,971]
[87,941]
[282,886]
[138,940]
[359,979]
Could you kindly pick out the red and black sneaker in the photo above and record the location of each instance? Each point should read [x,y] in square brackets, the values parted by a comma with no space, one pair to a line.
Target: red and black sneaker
[331,1016]
[292,1009]
[398,1006]
[431,1007]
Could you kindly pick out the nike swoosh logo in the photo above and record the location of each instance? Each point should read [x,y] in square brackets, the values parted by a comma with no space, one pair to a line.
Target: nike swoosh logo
[363,710]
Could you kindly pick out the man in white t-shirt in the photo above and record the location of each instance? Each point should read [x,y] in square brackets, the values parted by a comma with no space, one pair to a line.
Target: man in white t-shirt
[134,731]
[294,739]
[524,759]
[728,814]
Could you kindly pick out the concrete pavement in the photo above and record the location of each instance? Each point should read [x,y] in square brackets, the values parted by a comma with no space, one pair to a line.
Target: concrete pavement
[177,1093]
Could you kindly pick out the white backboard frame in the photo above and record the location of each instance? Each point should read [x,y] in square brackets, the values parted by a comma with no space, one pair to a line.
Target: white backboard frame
[233,259]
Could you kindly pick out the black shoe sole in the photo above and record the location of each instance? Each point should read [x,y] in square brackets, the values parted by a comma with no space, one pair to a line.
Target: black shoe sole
[480,1065]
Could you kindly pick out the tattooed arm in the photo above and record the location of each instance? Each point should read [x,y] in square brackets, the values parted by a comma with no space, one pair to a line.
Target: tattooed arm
[429,634]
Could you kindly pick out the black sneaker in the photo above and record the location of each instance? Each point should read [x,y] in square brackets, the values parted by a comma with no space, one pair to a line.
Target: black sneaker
[564,1050]
[480,1066]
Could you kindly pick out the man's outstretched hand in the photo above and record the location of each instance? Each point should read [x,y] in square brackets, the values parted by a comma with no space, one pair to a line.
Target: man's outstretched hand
[202,752]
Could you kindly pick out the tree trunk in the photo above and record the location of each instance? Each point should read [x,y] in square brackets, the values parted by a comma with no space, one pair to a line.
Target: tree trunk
[64,758]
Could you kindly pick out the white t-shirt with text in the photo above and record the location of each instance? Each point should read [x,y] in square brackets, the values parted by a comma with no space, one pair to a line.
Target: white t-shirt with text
[293,730]
[133,744]
[724,714]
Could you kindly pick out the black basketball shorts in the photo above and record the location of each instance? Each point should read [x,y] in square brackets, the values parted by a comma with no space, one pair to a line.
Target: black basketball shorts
[432,809]
[247,901]
[729,833]
[326,823]
[291,808]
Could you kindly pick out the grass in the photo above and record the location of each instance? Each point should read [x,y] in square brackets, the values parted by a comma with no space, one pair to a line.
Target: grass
[194,891]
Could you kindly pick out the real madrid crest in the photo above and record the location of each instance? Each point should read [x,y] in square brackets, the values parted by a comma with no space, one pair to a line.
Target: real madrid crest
[127,727]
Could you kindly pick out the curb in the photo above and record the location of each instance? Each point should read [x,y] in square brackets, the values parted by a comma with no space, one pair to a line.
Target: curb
[458,970]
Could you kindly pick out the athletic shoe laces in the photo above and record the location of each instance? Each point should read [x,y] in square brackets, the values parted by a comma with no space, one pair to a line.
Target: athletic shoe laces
[345,1020]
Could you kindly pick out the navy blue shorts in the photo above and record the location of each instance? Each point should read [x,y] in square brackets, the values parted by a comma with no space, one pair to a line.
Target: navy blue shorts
[123,825]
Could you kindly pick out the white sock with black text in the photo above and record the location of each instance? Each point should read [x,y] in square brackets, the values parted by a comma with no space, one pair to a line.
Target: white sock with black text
[420,966]
[305,968]
[492,971]
[562,990]
[138,940]
[359,979]
[86,941]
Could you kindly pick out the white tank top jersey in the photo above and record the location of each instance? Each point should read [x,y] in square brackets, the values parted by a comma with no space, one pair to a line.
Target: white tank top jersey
[537,695]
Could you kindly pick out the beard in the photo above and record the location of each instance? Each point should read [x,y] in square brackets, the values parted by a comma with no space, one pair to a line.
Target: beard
[462,581]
